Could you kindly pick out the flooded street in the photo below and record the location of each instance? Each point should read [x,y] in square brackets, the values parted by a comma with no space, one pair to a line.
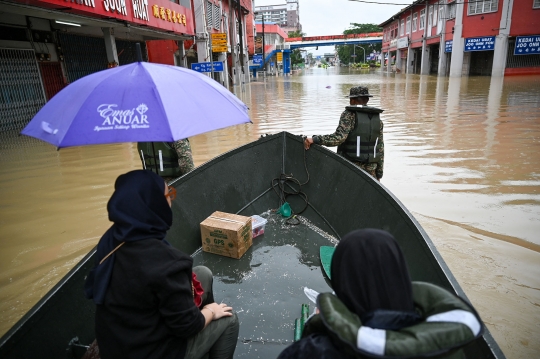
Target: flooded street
[461,154]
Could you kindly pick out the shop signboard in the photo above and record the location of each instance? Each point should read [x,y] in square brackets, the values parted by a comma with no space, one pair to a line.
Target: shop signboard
[448,45]
[158,14]
[484,43]
[402,42]
[207,66]
[527,45]
[279,57]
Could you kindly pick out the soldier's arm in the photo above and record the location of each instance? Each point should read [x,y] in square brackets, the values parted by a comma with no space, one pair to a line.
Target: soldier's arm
[346,124]
[380,155]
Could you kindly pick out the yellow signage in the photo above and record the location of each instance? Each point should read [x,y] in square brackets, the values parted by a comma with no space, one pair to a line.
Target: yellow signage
[219,49]
[219,35]
[279,56]
[219,42]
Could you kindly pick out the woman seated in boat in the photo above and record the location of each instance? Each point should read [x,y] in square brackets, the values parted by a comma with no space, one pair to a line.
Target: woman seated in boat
[377,312]
[149,303]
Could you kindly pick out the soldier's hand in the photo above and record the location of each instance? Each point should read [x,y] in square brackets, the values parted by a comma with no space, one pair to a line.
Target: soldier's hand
[307,142]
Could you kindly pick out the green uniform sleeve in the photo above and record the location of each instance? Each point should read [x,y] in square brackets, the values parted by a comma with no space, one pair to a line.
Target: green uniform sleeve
[346,124]
[380,155]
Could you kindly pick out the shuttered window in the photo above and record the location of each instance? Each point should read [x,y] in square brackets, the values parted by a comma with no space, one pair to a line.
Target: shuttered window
[536,4]
[422,19]
[217,17]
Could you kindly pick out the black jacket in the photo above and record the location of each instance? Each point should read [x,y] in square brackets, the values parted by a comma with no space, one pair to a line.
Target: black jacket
[148,310]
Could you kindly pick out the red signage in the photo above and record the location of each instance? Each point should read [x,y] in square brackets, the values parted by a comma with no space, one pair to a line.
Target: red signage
[159,14]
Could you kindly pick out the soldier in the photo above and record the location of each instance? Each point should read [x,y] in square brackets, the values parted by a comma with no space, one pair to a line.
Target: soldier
[185,158]
[359,135]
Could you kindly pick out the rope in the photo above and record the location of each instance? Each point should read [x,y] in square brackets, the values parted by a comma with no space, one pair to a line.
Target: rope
[286,185]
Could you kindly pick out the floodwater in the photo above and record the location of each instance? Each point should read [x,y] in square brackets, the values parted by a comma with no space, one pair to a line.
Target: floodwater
[461,154]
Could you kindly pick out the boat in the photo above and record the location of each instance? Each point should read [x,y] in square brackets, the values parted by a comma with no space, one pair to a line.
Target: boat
[329,197]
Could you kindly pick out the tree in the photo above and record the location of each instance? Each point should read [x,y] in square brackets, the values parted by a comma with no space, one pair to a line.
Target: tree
[345,51]
[296,56]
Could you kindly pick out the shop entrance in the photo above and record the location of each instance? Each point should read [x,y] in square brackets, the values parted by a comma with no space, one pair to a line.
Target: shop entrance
[481,63]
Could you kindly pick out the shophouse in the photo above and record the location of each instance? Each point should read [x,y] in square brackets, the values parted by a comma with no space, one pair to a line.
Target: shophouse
[273,37]
[47,44]
[485,37]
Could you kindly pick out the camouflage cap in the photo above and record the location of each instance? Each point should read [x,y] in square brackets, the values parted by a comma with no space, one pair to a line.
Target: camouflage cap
[359,91]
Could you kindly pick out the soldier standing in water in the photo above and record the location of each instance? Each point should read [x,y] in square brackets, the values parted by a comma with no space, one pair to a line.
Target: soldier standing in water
[359,135]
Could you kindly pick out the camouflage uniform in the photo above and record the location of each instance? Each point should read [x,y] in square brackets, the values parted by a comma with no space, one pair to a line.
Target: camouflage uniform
[185,158]
[346,125]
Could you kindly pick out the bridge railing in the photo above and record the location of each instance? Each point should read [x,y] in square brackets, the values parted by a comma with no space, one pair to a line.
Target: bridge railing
[334,37]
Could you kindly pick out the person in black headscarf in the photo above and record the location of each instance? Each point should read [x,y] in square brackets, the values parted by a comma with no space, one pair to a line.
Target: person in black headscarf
[376,311]
[143,287]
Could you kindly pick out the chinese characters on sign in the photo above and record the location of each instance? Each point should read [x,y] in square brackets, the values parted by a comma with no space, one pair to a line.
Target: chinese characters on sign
[168,15]
[527,45]
[448,45]
[479,43]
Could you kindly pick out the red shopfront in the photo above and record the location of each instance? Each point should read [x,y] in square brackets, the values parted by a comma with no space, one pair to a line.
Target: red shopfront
[56,42]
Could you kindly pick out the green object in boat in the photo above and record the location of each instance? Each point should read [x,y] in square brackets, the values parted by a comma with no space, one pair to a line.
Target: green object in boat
[285,210]
[326,253]
[297,329]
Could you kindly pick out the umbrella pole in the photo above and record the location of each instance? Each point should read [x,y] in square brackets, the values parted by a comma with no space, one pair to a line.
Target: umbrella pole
[155,159]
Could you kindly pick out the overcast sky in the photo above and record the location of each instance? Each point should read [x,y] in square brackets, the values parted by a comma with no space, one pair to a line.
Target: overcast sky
[332,17]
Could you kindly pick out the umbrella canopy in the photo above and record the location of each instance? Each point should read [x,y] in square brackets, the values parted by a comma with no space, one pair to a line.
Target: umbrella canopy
[139,102]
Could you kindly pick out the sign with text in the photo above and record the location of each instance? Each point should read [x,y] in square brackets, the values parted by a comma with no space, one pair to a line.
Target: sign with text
[219,35]
[527,45]
[279,57]
[220,48]
[207,66]
[448,45]
[480,43]
[402,42]
[157,14]
[219,42]
[257,59]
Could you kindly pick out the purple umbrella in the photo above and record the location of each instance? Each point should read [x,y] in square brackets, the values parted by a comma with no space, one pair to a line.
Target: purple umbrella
[140,102]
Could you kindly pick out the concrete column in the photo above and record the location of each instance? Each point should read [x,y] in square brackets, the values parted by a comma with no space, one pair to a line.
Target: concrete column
[223,75]
[410,59]
[456,62]
[389,66]
[180,59]
[424,64]
[501,41]
[398,60]
[201,36]
[441,70]
[110,44]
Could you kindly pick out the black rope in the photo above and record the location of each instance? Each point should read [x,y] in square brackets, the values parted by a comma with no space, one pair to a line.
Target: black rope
[286,185]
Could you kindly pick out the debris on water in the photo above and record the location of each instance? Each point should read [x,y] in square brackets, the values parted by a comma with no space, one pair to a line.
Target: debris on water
[328,87]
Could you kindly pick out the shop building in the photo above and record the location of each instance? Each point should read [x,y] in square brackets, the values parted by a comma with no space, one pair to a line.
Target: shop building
[485,37]
[47,44]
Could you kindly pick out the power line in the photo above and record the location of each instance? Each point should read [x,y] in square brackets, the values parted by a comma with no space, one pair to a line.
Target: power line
[419,4]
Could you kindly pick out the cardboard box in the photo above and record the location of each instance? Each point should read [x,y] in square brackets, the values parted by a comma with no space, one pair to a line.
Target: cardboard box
[226,234]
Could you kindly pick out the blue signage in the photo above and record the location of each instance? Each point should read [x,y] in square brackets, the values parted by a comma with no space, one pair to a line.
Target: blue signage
[272,63]
[479,43]
[448,45]
[527,45]
[257,59]
[207,67]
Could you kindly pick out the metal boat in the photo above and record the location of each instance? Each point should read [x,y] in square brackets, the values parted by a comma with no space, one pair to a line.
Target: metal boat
[330,197]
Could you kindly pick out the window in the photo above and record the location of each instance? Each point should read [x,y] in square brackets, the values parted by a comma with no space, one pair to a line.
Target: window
[422,19]
[217,17]
[451,11]
[430,16]
[408,24]
[434,16]
[536,4]
[401,27]
[209,17]
[414,19]
[483,6]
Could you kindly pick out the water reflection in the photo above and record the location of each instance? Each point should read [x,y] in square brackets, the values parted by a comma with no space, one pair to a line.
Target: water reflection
[461,154]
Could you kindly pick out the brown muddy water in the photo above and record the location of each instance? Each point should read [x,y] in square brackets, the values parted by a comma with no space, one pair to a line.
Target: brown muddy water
[461,154]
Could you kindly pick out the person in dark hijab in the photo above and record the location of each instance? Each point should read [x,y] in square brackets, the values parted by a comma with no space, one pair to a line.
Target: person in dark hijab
[144,289]
[373,294]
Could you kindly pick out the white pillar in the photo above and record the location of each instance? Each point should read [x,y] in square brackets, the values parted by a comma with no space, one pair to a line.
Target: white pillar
[110,45]
[201,37]
[410,59]
[456,63]
[398,60]
[501,41]
[441,70]
[424,57]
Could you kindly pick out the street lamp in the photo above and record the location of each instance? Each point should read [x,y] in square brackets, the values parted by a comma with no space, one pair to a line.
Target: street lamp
[354,52]
[263,42]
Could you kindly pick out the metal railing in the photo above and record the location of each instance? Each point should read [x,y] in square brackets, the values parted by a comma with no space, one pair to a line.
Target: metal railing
[516,61]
